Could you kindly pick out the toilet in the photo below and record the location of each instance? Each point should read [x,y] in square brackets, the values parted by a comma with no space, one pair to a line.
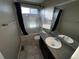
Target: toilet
[37,37]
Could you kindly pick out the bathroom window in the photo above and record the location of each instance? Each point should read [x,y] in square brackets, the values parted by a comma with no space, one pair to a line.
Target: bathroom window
[47,15]
[27,10]
[34,11]
[31,19]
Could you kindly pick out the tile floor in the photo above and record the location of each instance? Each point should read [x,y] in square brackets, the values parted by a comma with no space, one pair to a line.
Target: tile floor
[31,49]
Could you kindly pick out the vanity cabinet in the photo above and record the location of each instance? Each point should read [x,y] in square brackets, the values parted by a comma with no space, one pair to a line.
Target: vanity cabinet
[45,51]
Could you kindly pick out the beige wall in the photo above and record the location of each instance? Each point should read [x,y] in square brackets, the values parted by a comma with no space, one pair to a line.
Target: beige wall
[69,23]
[8,34]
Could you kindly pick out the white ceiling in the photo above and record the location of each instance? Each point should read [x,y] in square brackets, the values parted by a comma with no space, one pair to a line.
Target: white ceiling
[35,1]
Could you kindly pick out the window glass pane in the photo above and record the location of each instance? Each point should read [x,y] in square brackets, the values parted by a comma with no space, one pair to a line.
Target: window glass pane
[34,11]
[25,10]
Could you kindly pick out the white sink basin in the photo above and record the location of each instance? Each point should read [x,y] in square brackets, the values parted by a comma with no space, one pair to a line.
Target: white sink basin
[67,39]
[53,42]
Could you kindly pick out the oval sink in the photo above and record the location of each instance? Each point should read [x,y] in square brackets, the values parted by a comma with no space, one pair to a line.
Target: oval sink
[53,42]
[67,39]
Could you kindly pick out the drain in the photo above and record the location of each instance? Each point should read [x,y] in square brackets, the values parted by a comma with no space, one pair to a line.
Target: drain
[22,48]
[53,44]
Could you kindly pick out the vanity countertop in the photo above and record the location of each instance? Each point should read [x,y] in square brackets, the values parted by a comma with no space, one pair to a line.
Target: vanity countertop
[65,52]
